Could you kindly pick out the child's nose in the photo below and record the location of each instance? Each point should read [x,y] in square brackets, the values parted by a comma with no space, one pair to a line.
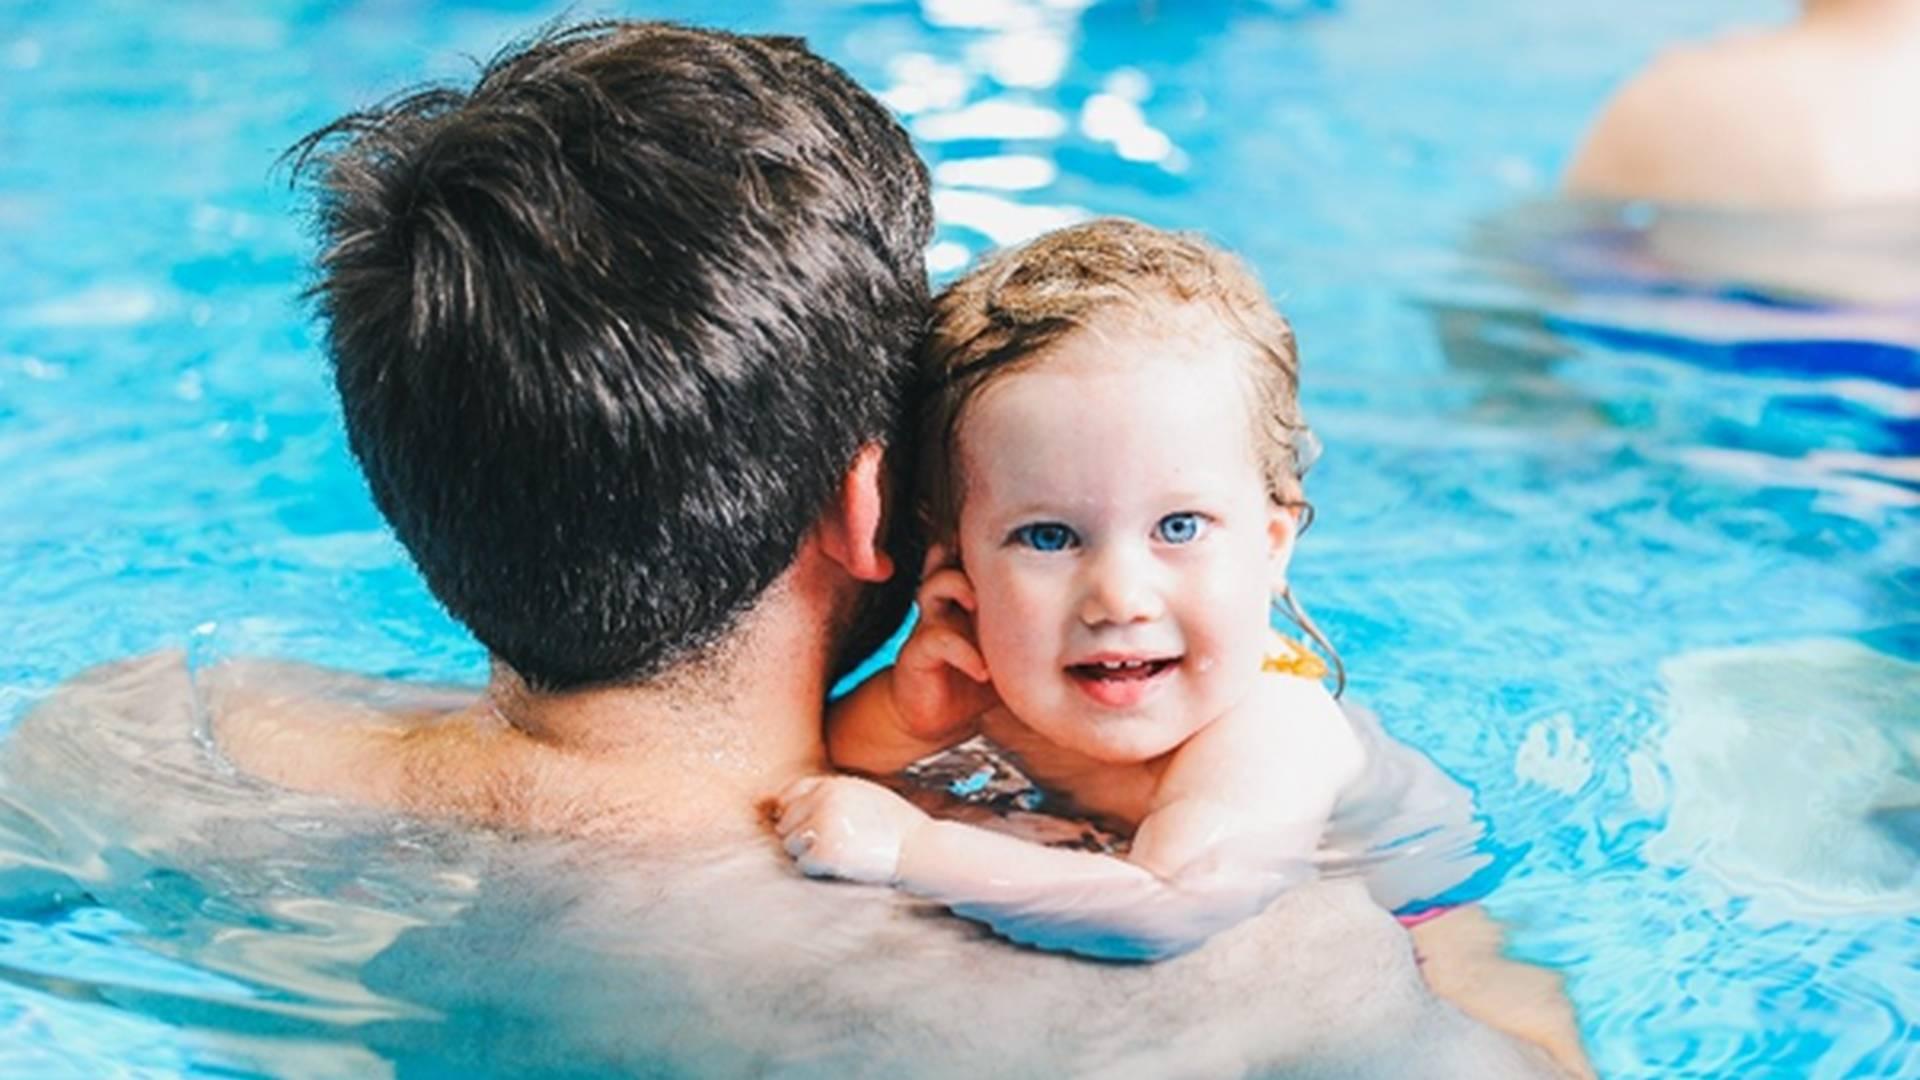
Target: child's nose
[1119,590]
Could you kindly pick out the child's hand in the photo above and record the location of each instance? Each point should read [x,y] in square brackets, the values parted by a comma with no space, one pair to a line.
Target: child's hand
[845,827]
[940,680]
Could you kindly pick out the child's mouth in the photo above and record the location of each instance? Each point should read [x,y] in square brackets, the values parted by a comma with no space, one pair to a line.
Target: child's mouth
[1120,683]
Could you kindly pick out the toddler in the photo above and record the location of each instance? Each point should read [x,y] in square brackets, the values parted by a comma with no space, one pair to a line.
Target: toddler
[1110,480]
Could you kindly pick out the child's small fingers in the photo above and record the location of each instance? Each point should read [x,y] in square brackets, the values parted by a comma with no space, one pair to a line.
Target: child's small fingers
[792,795]
[815,867]
[786,819]
[955,651]
[798,819]
[801,788]
[799,843]
[934,649]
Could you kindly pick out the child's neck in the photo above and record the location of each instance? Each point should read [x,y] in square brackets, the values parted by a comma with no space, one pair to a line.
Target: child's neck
[1119,793]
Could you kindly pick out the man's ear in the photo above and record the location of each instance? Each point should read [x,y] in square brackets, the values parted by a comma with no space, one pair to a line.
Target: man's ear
[1283,527]
[852,531]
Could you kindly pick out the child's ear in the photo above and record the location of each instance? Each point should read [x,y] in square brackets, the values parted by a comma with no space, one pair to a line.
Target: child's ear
[1283,527]
[939,557]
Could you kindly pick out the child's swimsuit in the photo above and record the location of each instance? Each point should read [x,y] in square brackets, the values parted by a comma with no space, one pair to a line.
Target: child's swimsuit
[1294,659]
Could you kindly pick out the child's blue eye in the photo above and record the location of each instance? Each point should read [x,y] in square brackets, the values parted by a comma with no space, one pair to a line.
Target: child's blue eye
[1045,536]
[1181,528]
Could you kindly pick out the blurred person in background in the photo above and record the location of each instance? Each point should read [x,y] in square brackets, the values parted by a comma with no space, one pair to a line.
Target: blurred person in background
[1817,114]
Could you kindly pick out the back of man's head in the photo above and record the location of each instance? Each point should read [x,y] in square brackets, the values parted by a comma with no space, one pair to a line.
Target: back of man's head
[609,328]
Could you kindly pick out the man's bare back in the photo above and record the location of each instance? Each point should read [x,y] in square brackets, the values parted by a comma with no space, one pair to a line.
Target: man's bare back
[710,954]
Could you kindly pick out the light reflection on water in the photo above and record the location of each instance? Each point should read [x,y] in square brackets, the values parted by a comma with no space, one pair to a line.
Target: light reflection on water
[1585,484]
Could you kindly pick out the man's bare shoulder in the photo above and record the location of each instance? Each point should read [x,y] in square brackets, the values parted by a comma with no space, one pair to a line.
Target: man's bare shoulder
[136,709]
[124,753]
[298,726]
[325,731]
[433,751]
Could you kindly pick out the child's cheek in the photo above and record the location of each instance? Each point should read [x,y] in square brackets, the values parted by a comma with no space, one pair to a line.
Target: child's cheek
[1001,622]
[1021,615]
[1231,611]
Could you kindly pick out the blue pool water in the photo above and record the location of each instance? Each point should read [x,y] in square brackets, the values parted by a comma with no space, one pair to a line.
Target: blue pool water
[1633,553]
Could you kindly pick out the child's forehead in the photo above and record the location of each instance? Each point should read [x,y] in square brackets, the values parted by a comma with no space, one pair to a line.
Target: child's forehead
[1092,394]
[1190,338]
[1179,371]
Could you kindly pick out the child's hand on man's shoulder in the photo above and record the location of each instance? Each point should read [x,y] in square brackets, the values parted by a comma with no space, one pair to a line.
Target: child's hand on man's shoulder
[845,827]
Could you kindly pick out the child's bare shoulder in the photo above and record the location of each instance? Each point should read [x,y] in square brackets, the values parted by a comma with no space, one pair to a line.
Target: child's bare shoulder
[1289,732]
[1303,715]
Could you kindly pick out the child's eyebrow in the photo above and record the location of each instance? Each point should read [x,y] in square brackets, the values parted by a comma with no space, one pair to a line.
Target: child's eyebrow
[1031,509]
[1196,493]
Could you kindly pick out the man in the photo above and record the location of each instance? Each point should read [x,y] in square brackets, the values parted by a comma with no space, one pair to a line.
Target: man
[622,340]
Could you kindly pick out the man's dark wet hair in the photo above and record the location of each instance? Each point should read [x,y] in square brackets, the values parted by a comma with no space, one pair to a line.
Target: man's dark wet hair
[610,326]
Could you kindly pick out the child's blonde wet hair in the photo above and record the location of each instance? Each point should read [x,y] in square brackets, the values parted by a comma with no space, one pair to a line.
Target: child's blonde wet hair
[1018,303]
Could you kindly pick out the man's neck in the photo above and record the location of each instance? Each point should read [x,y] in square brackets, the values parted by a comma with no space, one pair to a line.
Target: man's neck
[709,743]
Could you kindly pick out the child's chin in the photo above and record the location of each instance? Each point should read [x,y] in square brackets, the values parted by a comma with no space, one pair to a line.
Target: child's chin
[1125,750]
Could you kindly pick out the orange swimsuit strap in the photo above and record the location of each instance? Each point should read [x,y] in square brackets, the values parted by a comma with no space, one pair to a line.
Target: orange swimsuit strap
[1297,659]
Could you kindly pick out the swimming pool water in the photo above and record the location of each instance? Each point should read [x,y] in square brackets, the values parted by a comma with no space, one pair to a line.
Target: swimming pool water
[1636,559]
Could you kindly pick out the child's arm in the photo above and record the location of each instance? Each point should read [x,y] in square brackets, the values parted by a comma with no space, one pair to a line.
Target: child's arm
[1404,801]
[867,734]
[1071,901]
[1236,818]
[929,700]
[1257,784]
